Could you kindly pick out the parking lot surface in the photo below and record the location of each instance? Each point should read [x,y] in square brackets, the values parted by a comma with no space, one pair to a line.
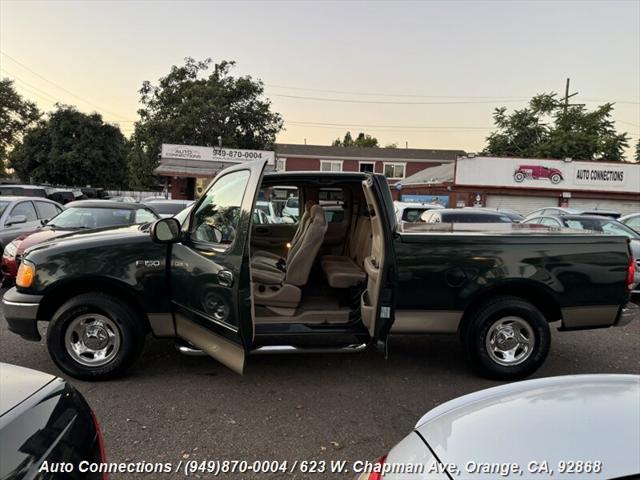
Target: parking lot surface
[303,407]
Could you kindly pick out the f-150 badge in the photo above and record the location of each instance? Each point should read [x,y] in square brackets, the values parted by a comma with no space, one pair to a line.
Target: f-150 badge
[149,263]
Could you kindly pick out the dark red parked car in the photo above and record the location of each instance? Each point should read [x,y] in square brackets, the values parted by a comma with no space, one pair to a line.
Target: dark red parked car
[83,214]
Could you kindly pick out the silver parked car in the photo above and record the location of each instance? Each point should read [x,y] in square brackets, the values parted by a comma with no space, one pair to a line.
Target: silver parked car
[631,221]
[578,426]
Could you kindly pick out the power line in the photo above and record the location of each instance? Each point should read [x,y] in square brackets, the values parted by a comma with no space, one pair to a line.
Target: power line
[382,102]
[59,86]
[405,95]
[394,94]
[362,125]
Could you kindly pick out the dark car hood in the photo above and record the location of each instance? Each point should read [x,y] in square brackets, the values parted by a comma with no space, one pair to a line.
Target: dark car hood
[18,384]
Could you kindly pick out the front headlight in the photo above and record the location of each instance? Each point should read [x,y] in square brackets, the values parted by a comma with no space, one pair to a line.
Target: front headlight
[10,250]
[26,275]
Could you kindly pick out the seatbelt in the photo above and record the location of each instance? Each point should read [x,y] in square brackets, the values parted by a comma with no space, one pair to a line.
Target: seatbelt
[354,221]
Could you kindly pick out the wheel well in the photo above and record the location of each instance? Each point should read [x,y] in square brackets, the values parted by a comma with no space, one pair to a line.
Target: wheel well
[542,300]
[56,296]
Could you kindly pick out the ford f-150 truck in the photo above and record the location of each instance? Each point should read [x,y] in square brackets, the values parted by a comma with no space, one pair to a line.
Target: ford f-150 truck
[343,277]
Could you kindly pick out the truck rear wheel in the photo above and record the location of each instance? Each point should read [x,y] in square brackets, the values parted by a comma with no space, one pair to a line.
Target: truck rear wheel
[506,338]
[95,336]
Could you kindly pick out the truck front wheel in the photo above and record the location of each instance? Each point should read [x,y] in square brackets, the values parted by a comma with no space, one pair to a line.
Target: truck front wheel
[95,336]
[506,338]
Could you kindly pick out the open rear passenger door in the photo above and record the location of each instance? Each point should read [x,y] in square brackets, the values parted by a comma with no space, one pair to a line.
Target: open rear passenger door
[209,271]
[377,304]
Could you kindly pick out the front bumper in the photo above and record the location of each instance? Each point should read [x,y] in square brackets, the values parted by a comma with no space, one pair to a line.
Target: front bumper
[628,313]
[21,313]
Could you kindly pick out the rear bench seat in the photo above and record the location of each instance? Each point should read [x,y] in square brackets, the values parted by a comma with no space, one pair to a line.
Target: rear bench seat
[348,271]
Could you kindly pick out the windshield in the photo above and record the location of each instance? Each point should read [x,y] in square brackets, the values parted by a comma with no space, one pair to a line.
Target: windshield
[611,227]
[474,218]
[292,202]
[93,217]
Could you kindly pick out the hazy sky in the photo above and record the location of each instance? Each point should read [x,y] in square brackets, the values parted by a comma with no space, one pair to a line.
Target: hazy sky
[447,63]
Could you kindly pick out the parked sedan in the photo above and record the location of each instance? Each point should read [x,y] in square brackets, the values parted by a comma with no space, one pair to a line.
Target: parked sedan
[167,208]
[632,221]
[464,215]
[411,211]
[23,215]
[84,214]
[43,418]
[581,426]
[572,211]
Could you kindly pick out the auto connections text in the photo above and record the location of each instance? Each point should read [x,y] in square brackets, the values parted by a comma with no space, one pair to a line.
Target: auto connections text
[194,468]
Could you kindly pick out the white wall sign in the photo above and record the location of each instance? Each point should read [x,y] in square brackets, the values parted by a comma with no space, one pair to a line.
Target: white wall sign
[549,174]
[215,154]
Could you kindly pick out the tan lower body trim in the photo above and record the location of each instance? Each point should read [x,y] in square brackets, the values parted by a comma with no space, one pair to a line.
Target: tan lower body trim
[162,324]
[589,317]
[426,321]
[223,350]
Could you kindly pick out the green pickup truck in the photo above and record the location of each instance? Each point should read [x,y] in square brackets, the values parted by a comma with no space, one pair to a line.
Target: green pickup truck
[338,278]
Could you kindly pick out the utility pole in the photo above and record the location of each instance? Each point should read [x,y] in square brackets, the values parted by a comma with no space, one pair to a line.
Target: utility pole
[566,98]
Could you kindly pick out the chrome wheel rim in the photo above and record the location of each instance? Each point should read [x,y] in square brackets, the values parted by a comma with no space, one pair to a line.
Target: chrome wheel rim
[92,340]
[510,341]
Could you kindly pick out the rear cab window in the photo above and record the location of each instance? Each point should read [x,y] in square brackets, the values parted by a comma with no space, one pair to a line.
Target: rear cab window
[279,204]
[332,201]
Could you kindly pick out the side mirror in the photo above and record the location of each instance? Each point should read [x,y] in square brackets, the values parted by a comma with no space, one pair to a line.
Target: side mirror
[165,230]
[16,219]
[44,221]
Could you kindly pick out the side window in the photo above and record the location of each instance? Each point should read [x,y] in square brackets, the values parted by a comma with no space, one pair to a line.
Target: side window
[26,209]
[216,218]
[550,222]
[47,211]
[278,204]
[143,216]
[332,201]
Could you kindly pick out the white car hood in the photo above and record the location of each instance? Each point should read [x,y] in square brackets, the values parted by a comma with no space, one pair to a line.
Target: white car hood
[570,418]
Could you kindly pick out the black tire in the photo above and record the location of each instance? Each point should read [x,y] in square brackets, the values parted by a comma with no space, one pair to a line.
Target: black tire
[474,337]
[129,325]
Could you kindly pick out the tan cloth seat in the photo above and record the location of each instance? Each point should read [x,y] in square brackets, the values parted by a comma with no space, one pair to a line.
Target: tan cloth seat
[268,260]
[344,271]
[286,292]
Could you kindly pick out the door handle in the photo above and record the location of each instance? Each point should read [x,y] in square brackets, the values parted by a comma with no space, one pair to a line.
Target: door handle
[263,231]
[225,278]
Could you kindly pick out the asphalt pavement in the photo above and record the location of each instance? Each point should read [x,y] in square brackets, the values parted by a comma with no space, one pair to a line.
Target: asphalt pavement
[171,407]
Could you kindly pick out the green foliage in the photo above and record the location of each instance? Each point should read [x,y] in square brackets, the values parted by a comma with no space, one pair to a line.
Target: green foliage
[545,130]
[637,156]
[362,140]
[192,105]
[72,148]
[16,116]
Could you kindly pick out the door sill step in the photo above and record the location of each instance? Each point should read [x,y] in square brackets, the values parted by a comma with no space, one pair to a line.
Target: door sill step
[189,350]
[278,349]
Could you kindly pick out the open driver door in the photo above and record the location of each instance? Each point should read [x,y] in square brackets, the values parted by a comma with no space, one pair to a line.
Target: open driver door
[210,267]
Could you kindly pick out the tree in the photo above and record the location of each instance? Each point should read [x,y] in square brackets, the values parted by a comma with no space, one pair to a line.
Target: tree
[16,116]
[194,106]
[362,140]
[547,129]
[637,157]
[72,148]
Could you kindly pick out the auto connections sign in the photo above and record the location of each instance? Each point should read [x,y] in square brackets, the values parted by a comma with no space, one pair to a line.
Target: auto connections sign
[548,174]
[215,154]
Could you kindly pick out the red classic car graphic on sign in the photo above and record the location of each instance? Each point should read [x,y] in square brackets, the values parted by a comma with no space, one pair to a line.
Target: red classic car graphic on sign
[537,172]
